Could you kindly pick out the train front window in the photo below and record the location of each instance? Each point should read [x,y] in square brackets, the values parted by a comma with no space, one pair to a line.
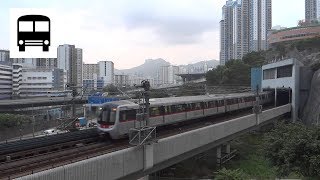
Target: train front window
[107,116]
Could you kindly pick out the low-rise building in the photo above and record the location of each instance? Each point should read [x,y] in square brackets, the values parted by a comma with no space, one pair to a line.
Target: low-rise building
[4,56]
[283,78]
[121,80]
[42,82]
[5,82]
[293,34]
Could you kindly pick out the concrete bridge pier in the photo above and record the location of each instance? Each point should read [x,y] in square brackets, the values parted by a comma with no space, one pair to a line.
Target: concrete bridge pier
[219,155]
[223,155]
[228,148]
[148,156]
[147,159]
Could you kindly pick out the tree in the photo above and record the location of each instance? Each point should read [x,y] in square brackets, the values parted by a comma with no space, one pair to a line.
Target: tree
[12,120]
[254,59]
[215,76]
[237,73]
[294,148]
[111,89]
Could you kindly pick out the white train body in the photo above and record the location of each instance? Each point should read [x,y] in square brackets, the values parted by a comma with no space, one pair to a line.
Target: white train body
[118,117]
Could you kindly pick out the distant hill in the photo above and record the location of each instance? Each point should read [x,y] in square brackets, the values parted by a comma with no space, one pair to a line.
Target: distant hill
[151,67]
[210,64]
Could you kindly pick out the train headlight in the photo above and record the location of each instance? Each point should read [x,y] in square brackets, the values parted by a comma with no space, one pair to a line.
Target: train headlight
[46,42]
[21,42]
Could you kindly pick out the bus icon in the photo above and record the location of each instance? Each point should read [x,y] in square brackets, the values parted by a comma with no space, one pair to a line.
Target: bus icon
[33,30]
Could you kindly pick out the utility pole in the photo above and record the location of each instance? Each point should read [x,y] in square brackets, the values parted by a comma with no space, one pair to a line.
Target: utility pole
[143,134]
[74,95]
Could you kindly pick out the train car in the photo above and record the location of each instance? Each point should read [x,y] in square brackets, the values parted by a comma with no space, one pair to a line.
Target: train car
[117,118]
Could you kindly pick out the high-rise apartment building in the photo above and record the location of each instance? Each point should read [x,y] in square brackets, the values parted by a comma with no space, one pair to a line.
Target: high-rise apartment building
[312,10]
[260,22]
[229,20]
[106,72]
[70,59]
[78,64]
[244,28]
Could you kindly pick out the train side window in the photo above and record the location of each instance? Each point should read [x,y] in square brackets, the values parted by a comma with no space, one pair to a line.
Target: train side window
[130,115]
[127,115]
[221,103]
[167,110]
[240,100]
[197,106]
[188,107]
[173,109]
[162,110]
[229,102]
[204,105]
[180,107]
[154,111]
[211,104]
[123,116]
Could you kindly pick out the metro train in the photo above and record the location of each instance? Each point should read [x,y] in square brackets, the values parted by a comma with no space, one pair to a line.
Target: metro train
[117,118]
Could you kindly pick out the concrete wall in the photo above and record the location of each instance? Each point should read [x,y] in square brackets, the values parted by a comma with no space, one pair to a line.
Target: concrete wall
[129,161]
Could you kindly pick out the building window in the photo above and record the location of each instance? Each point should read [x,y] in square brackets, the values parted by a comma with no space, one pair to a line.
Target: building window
[285,71]
[269,74]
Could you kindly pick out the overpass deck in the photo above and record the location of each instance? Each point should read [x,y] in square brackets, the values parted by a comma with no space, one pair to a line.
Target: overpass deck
[135,162]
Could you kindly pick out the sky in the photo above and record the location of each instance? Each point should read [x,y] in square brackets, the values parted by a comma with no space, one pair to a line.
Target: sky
[128,32]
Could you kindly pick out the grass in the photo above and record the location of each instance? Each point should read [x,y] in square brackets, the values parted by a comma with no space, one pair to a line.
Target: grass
[251,159]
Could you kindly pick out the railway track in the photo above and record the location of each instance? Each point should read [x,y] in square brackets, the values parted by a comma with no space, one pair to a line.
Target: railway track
[16,149]
[82,150]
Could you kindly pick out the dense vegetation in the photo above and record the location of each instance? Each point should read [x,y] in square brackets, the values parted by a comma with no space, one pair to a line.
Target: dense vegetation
[294,148]
[236,72]
[12,120]
[289,150]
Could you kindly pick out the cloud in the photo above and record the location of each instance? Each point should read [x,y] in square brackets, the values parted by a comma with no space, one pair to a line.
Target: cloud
[183,23]
[173,29]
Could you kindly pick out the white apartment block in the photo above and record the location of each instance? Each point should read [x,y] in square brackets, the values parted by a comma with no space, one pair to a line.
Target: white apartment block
[106,72]
[168,74]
